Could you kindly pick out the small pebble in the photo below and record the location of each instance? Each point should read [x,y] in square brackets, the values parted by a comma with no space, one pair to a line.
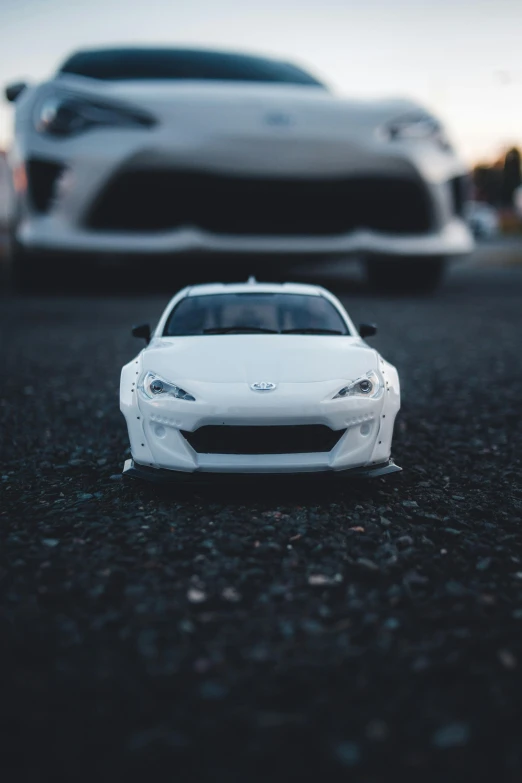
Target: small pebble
[367,563]
[450,736]
[348,754]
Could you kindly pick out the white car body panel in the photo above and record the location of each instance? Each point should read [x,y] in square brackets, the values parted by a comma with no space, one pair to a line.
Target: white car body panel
[47,234]
[225,129]
[218,370]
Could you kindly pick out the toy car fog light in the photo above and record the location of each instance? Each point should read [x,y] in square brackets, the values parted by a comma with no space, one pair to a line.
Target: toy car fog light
[154,386]
[369,385]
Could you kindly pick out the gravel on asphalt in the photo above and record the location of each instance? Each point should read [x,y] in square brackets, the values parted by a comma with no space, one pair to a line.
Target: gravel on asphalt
[282,630]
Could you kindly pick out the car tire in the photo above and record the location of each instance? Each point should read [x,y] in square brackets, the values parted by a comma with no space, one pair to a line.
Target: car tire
[405,275]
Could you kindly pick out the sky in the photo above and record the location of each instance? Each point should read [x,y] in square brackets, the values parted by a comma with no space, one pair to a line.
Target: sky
[460,58]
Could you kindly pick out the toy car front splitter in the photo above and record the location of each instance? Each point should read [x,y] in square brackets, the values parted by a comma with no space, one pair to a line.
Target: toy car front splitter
[133,469]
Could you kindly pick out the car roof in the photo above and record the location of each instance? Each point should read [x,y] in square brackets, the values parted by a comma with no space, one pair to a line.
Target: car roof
[253,287]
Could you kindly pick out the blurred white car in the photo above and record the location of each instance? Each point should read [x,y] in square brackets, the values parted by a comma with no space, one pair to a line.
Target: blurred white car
[4,194]
[483,219]
[258,378]
[172,151]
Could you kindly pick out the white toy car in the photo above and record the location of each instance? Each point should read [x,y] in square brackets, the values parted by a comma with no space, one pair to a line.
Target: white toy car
[258,378]
[171,151]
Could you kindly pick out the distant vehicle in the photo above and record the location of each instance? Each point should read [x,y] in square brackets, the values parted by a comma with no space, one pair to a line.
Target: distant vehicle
[483,219]
[258,378]
[517,200]
[175,151]
[4,195]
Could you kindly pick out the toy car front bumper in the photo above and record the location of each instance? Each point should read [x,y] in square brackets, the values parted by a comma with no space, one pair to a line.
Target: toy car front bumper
[158,433]
[297,429]
[133,469]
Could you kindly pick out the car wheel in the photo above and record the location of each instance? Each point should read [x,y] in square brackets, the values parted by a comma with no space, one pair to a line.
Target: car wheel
[411,275]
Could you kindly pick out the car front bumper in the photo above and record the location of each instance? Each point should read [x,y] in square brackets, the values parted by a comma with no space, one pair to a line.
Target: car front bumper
[89,165]
[46,233]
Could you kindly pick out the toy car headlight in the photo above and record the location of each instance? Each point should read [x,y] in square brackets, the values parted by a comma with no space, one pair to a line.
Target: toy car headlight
[369,385]
[153,386]
[68,114]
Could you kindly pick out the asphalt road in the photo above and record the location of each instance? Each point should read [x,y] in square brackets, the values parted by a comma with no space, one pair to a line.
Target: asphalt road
[288,630]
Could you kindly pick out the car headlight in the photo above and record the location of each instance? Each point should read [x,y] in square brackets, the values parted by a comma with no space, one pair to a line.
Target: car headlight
[153,386]
[67,115]
[414,127]
[368,385]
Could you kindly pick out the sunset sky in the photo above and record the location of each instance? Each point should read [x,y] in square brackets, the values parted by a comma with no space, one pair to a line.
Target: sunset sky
[462,58]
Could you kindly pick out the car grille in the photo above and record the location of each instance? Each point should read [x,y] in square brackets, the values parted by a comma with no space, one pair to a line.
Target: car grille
[142,201]
[225,439]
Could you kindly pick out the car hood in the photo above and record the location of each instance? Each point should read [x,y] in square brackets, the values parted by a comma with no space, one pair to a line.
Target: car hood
[253,358]
[229,106]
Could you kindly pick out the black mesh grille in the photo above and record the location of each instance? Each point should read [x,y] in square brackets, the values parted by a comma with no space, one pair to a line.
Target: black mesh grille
[162,200]
[42,175]
[224,439]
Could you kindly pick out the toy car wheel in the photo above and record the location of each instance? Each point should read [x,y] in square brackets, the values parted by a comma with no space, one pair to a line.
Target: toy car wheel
[415,275]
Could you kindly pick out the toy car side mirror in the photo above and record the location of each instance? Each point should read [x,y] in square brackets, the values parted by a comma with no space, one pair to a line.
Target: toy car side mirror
[367,330]
[12,91]
[142,330]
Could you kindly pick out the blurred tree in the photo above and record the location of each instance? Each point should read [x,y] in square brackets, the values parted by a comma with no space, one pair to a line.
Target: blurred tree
[488,183]
[511,176]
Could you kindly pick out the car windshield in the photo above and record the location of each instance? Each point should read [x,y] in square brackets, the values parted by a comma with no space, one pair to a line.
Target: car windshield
[134,63]
[255,313]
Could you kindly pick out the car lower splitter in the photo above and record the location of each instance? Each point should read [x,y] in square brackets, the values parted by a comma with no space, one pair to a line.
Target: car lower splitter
[134,470]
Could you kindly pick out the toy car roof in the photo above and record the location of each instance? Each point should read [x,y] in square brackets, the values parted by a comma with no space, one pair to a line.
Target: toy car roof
[252,286]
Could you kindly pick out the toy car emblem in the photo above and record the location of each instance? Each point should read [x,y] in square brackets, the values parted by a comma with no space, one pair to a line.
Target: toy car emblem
[263,386]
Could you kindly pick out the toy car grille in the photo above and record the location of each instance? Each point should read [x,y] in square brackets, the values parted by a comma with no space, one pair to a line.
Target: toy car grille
[227,439]
[144,200]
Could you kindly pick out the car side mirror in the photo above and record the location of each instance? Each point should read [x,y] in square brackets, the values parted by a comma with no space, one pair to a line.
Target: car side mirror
[367,330]
[13,91]
[142,330]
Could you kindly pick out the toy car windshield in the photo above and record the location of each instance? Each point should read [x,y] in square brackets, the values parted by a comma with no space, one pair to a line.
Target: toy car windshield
[254,313]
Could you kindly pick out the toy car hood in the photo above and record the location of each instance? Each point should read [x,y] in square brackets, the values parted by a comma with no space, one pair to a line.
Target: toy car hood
[251,358]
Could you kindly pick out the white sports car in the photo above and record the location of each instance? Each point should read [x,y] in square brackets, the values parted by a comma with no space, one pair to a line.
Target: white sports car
[258,378]
[174,152]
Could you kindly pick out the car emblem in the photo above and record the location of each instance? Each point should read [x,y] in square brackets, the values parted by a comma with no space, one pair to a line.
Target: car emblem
[263,386]
[278,118]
